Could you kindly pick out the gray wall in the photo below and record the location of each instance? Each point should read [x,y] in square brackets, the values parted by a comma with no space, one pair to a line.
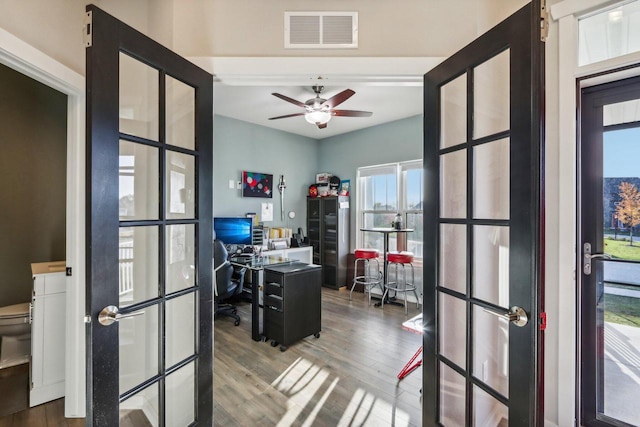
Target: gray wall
[33,146]
[242,146]
[396,141]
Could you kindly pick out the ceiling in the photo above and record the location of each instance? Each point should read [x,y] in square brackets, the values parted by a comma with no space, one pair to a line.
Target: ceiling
[255,104]
[391,88]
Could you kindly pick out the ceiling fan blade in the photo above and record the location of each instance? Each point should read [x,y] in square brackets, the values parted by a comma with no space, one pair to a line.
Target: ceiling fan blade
[288,115]
[291,100]
[321,125]
[338,99]
[351,113]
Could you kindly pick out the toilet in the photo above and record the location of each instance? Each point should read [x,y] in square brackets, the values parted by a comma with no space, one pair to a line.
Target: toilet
[15,335]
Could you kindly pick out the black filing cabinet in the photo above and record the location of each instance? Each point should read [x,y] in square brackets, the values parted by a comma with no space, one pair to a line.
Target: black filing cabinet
[328,229]
[292,303]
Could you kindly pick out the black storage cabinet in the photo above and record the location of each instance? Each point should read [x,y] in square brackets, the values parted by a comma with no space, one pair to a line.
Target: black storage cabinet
[292,303]
[328,228]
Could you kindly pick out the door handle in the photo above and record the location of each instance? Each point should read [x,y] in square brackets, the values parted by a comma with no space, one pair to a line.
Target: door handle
[110,314]
[516,315]
[587,256]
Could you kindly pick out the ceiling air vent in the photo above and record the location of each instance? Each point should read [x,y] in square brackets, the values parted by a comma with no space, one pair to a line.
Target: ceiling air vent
[321,30]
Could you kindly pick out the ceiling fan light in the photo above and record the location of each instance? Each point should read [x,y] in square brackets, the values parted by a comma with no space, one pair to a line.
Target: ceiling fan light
[318,117]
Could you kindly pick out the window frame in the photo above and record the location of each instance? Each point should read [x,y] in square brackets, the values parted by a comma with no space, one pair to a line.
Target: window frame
[401,196]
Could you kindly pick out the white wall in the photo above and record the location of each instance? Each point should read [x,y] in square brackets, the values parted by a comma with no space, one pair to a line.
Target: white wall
[419,28]
[55,26]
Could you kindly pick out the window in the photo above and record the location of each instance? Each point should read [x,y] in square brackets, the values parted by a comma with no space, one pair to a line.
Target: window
[609,33]
[383,191]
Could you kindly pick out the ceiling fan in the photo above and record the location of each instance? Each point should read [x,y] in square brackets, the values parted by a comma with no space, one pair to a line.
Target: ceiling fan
[318,111]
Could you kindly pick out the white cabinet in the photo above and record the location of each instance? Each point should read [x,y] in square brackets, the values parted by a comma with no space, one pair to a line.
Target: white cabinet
[47,332]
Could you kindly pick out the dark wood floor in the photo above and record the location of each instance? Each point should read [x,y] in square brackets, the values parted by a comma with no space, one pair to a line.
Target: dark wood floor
[346,377]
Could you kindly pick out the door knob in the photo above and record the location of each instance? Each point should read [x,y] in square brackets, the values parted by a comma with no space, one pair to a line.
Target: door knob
[588,256]
[516,315]
[111,314]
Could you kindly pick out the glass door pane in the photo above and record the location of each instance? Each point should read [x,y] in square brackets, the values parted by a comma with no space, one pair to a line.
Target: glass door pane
[491,96]
[139,349]
[180,114]
[618,307]
[138,97]
[138,264]
[138,181]
[180,176]
[142,409]
[452,397]
[453,116]
[610,279]
[488,411]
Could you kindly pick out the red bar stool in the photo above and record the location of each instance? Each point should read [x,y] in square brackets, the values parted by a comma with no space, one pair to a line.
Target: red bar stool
[371,275]
[401,285]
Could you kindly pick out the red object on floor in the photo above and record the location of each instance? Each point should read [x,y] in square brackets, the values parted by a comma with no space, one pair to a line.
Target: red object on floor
[411,365]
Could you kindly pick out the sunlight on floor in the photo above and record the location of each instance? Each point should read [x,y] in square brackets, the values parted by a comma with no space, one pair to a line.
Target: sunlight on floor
[303,382]
[366,409]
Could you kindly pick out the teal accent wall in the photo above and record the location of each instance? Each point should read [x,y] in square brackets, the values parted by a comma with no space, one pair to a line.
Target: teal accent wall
[391,142]
[242,146]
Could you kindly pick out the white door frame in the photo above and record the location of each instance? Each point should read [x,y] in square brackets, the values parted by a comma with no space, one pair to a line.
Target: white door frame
[567,13]
[25,59]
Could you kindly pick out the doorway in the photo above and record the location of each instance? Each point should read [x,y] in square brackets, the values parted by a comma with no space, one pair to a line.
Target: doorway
[25,59]
[32,132]
[609,287]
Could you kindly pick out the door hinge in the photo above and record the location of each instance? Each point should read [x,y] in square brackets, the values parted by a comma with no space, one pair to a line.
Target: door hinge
[69,271]
[543,320]
[544,22]
[87,29]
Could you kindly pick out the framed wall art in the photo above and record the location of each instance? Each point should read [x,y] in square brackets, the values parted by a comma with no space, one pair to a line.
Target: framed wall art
[255,184]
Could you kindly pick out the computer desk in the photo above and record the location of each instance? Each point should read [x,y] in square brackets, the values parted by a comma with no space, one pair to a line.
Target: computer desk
[256,264]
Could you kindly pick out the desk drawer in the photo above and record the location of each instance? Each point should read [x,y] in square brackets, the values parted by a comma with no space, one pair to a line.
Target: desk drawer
[273,302]
[274,325]
[273,288]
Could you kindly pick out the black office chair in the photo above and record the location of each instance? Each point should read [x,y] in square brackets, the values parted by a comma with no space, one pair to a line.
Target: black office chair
[229,282]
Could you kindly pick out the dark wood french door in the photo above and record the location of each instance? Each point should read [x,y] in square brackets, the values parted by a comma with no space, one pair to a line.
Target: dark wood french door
[483,309]
[609,242]
[149,231]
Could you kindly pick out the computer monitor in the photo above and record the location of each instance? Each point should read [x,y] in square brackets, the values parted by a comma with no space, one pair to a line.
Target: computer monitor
[234,230]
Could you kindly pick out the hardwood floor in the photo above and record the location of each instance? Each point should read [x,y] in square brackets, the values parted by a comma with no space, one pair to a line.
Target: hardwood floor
[346,377]
[48,415]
